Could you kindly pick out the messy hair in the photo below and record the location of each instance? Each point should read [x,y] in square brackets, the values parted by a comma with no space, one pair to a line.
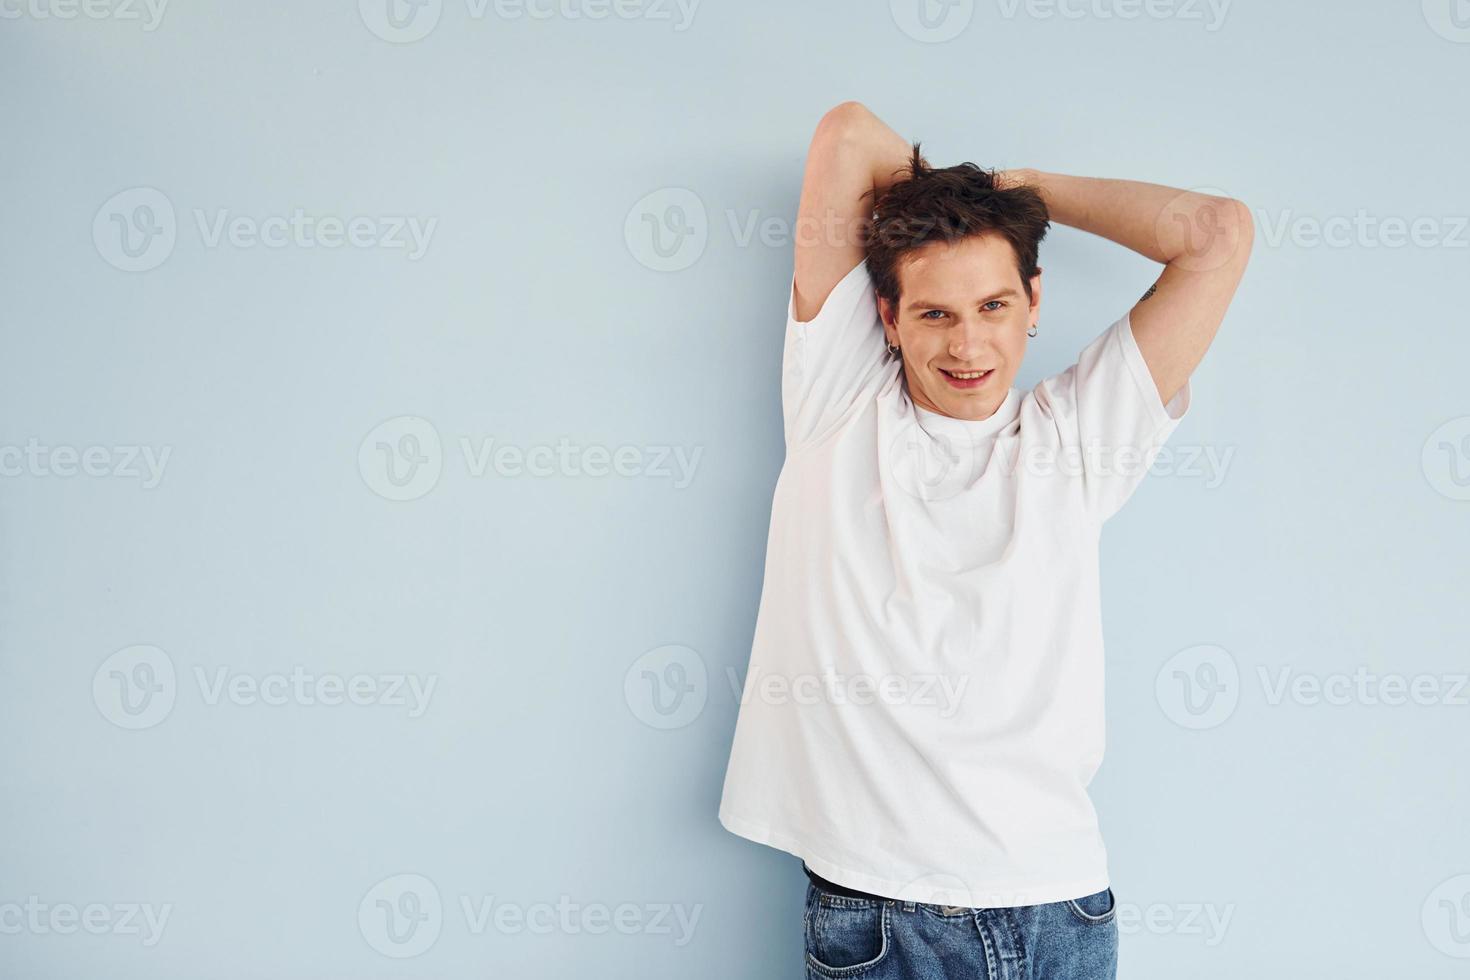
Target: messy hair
[948,205]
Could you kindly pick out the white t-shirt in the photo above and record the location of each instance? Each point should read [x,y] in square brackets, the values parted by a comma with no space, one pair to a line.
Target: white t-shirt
[923,709]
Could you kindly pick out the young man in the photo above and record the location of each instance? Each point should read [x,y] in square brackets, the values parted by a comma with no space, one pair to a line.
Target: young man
[924,703]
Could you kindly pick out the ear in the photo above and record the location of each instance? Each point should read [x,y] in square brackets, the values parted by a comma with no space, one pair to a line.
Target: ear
[886,314]
[1035,294]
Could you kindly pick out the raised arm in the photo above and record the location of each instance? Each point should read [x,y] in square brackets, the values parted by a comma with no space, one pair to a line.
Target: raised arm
[852,154]
[1204,242]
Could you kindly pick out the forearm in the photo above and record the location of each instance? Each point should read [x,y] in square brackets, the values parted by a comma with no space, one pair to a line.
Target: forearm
[1163,223]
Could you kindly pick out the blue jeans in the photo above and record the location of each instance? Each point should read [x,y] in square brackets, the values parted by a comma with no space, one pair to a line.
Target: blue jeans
[890,939]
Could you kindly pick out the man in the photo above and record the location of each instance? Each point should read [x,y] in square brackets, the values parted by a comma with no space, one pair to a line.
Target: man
[924,703]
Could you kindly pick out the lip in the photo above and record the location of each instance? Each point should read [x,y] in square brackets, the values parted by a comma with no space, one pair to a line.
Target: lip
[967,382]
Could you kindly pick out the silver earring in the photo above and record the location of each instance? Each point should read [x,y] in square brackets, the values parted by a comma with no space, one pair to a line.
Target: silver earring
[1032,331]
[892,348]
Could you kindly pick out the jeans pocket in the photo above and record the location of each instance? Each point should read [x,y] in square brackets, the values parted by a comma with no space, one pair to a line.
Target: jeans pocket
[845,936]
[1099,908]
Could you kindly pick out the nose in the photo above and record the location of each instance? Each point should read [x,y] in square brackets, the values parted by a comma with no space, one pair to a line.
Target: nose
[969,338]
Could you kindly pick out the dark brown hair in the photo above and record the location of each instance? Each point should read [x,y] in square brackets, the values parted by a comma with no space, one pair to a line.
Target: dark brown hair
[949,205]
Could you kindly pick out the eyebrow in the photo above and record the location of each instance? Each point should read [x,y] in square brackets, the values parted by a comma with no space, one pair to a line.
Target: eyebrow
[927,305]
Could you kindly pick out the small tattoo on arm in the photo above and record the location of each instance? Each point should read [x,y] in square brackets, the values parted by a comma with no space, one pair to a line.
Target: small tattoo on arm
[1151,290]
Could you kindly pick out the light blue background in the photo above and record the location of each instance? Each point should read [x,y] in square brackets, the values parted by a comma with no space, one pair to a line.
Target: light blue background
[1327,833]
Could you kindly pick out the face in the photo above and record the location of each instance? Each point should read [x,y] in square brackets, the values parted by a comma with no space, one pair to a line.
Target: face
[962,310]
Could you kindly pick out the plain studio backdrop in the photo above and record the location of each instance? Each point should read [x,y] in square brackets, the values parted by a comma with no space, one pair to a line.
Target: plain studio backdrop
[389,414]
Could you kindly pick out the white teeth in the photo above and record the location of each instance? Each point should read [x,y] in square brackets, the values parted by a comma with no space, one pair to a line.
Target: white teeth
[968,375]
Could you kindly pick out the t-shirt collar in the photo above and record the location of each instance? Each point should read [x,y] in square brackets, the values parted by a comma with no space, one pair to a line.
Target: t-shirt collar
[935,424]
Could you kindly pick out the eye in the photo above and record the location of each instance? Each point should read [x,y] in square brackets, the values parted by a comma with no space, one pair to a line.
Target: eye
[925,314]
[992,306]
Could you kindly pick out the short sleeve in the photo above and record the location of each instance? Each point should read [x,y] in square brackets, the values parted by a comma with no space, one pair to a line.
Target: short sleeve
[834,362]
[1107,407]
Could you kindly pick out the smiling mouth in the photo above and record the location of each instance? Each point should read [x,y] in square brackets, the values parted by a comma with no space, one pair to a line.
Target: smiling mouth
[966,379]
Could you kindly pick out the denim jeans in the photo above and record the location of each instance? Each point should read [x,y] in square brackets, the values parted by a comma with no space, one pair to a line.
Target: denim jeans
[890,939]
